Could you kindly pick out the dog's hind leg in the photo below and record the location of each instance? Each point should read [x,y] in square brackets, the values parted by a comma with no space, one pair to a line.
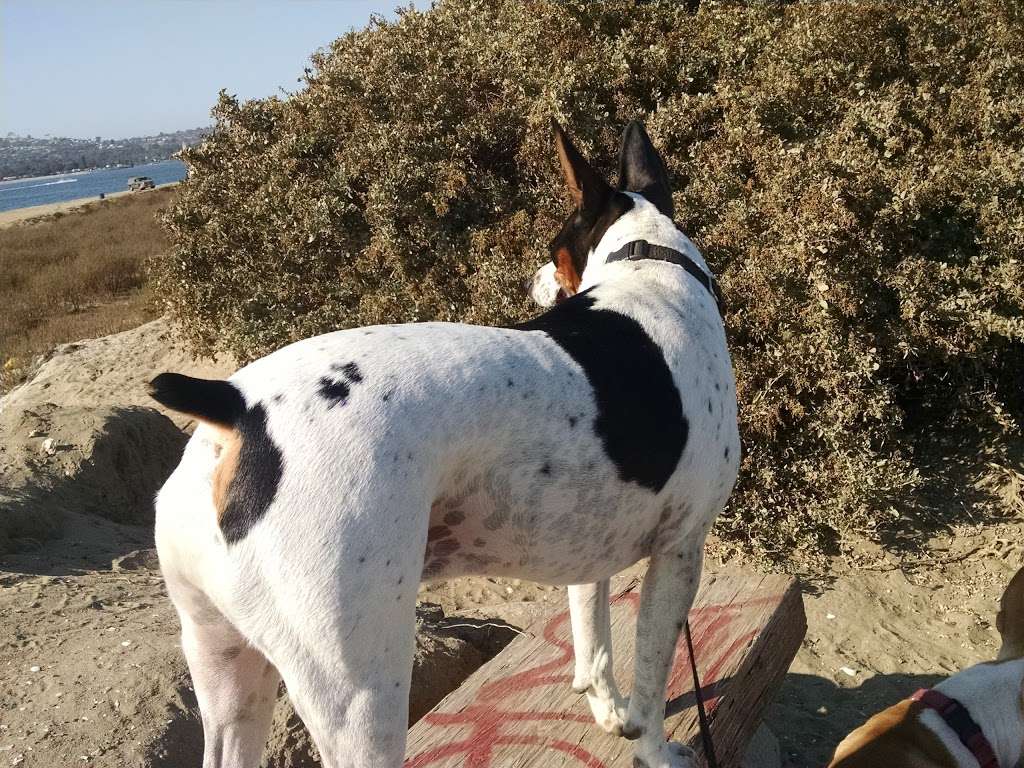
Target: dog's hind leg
[668,592]
[235,685]
[592,644]
[352,690]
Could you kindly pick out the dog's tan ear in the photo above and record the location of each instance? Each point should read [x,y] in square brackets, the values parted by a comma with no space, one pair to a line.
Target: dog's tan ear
[589,191]
[1010,619]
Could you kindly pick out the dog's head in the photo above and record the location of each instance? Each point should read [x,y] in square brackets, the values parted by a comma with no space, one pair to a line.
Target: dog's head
[1010,619]
[597,206]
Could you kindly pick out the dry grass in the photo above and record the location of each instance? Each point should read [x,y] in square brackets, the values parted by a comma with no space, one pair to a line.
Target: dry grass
[74,276]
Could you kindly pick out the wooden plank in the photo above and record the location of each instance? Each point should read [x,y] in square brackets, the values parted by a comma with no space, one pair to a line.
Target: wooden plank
[518,710]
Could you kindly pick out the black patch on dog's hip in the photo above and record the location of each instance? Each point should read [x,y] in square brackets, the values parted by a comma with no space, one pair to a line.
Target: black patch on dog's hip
[640,416]
[256,478]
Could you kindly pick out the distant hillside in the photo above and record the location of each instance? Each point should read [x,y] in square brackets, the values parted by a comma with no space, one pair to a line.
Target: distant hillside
[32,156]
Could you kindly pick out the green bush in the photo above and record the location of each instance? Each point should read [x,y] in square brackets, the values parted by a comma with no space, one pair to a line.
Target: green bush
[853,173]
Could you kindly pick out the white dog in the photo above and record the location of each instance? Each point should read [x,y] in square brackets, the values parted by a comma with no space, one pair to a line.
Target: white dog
[328,479]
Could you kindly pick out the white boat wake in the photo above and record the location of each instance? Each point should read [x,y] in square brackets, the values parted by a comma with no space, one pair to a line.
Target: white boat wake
[30,186]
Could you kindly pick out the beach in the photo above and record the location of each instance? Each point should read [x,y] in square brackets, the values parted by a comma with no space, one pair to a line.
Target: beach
[19,215]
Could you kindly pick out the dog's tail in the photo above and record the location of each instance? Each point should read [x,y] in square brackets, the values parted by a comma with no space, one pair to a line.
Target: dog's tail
[214,401]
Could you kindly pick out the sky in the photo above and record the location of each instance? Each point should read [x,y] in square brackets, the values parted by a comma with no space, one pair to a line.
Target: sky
[120,68]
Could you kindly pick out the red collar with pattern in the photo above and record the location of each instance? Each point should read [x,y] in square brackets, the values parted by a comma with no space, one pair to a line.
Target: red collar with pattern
[959,719]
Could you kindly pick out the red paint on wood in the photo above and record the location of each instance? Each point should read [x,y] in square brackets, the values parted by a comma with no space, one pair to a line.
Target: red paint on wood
[489,722]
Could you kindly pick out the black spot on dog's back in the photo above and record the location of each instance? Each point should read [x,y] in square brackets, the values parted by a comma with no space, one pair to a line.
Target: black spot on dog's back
[350,371]
[334,392]
[640,417]
[256,477]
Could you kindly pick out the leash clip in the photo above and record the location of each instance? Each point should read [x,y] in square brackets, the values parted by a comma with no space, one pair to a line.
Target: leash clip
[638,249]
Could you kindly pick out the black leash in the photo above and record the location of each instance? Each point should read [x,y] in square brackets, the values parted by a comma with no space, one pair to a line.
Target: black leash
[702,716]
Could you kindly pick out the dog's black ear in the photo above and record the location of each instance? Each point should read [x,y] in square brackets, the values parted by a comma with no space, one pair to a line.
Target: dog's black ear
[589,191]
[641,169]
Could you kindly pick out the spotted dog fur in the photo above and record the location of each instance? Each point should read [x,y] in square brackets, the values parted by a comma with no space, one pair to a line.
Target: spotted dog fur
[328,479]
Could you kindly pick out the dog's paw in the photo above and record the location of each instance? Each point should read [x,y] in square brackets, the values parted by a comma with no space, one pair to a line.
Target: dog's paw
[610,715]
[581,682]
[632,728]
[668,754]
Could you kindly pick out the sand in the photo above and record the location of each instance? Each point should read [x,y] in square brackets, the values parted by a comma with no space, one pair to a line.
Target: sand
[91,672]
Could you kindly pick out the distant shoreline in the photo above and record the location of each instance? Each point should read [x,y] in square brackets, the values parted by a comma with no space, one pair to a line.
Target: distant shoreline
[22,215]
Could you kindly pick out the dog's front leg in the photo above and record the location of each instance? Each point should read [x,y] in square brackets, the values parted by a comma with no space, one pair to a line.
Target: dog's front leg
[592,643]
[668,592]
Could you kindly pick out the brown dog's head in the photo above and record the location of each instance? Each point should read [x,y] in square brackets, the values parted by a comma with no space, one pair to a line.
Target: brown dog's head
[597,206]
[1010,619]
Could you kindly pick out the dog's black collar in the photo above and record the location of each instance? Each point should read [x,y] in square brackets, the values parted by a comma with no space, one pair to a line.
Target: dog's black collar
[641,249]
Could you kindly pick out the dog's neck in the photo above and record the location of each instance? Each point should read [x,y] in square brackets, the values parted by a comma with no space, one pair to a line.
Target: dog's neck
[992,693]
[642,222]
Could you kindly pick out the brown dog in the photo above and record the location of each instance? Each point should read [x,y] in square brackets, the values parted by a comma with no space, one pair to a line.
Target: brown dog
[974,718]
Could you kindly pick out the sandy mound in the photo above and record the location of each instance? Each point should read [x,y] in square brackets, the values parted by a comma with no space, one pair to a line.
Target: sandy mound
[100,461]
[112,371]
